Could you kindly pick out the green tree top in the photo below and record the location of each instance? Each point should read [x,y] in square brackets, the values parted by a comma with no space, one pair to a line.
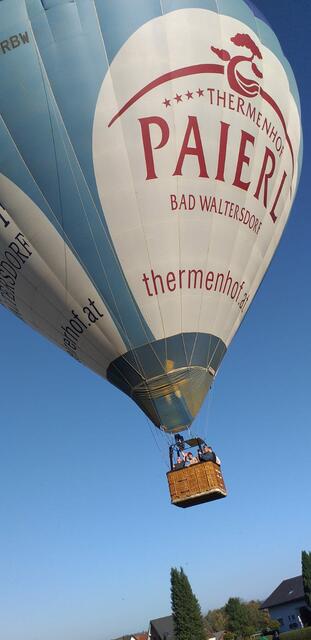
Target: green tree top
[188,621]
[238,619]
[306,575]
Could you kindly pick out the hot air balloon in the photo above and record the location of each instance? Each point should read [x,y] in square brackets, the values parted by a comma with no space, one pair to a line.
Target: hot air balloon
[150,152]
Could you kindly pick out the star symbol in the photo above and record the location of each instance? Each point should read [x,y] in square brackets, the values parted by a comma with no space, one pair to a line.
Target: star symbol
[166,102]
[200,92]
[178,97]
[189,95]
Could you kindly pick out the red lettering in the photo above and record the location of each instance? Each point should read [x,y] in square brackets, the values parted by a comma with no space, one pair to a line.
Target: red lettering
[197,150]
[222,150]
[171,281]
[272,212]
[145,124]
[181,272]
[183,204]
[174,203]
[243,159]
[265,175]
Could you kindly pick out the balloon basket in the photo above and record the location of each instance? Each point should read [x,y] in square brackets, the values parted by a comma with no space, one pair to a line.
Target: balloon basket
[196,484]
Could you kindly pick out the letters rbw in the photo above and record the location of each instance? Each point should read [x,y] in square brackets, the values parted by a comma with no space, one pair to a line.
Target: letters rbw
[13,42]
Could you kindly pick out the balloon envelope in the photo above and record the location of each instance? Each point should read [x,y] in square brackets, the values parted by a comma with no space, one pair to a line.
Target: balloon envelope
[149,156]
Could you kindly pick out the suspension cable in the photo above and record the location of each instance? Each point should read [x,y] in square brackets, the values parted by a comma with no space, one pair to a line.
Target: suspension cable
[152,430]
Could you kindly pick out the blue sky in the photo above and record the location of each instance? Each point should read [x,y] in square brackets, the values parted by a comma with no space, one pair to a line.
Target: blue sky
[84,556]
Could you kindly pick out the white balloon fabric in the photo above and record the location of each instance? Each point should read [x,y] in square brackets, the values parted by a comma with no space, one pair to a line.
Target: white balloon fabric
[149,157]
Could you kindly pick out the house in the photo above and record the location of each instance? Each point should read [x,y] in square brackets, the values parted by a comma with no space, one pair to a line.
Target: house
[161,629]
[287,604]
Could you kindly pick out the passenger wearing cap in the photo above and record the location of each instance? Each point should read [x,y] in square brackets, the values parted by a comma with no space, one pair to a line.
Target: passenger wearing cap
[207,454]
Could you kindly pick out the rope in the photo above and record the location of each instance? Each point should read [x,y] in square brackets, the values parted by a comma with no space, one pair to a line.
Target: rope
[152,428]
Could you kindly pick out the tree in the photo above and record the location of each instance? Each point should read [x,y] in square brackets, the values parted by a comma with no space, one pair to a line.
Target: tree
[259,619]
[188,621]
[238,619]
[216,620]
[306,575]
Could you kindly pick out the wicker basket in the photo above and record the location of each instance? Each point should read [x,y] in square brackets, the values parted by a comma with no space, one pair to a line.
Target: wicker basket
[198,483]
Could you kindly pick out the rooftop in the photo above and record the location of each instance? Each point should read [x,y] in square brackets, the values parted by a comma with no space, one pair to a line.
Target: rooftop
[164,627]
[289,590]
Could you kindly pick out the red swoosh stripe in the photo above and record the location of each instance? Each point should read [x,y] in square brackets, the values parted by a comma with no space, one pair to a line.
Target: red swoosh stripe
[171,75]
